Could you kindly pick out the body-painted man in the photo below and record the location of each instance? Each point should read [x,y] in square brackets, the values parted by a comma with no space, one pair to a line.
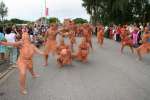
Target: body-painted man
[25,62]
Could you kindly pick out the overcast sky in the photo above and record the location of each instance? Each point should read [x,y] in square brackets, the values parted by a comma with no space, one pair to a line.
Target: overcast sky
[33,9]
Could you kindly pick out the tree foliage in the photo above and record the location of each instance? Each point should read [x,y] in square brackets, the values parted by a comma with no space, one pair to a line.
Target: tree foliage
[13,21]
[117,11]
[53,20]
[18,21]
[80,21]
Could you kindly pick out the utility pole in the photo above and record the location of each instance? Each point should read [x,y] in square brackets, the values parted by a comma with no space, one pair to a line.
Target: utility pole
[46,12]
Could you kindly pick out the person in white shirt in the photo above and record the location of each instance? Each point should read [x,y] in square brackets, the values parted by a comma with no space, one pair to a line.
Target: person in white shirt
[11,37]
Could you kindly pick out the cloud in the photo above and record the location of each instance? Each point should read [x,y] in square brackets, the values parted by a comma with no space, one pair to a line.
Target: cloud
[33,9]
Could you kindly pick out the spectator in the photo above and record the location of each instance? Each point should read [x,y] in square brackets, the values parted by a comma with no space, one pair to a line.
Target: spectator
[11,37]
[2,48]
[35,31]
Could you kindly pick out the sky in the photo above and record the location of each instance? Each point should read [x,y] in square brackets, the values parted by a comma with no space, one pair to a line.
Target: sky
[34,9]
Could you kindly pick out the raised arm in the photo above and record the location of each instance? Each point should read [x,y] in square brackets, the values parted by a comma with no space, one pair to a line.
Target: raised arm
[15,44]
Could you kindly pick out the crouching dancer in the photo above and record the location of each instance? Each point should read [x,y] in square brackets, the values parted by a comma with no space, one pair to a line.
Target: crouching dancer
[83,51]
[64,54]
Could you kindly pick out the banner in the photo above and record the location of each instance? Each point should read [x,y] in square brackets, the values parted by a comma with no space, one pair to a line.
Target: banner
[46,12]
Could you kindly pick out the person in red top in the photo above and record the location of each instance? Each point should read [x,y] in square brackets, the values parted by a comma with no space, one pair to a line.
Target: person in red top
[126,40]
[111,34]
[100,35]
[118,39]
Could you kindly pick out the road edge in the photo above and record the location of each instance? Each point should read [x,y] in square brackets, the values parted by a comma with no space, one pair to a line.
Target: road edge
[5,75]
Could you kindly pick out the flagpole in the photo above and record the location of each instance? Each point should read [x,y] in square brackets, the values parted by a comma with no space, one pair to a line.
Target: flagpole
[41,11]
[45,12]
[45,6]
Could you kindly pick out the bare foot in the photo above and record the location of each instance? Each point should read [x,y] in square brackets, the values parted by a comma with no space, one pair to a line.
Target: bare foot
[35,75]
[24,92]
[84,61]
[45,65]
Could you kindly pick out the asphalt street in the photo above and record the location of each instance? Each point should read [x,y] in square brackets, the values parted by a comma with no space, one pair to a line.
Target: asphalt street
[107,76]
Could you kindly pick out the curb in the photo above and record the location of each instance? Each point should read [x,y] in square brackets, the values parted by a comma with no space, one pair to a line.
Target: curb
[7,71]
[5,75]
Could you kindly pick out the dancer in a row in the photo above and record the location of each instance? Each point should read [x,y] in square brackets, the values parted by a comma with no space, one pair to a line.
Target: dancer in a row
[100,35]
[51,43]
[145,47]
[126,40]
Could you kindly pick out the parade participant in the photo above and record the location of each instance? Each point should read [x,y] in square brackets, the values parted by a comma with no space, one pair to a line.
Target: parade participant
[72,39]
[10,36]
[111,33]
[64,54]
[2,48]
[50,45]
[27,50]
[24,29]
[145,47]
[87,34]
[79,31]
[118,32]
[135,36]
[83,51]
[126,40]
[100,35]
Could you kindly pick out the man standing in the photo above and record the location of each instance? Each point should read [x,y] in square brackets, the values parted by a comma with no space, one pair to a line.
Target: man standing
[11,37]
[2,48]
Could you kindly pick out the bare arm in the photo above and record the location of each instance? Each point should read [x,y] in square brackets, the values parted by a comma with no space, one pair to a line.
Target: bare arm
[46,35]
[38,51]
[15,44]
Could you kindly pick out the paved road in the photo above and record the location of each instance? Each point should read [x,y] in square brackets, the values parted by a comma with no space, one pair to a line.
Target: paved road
[107,76]
[4,65]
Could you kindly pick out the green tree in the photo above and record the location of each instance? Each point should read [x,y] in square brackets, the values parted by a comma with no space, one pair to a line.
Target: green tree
[3,10]
[18,21]
[92,7]
[80,21]
[117,11]
[53,20]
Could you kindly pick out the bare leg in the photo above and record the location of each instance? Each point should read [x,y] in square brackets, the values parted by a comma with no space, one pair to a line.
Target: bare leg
[122,48]
[59,60]
[72,47]
[101,43]
[46,60]
[90,42]
[22,79]
[139,55]
[30,68]
[132,50]
[84,60]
